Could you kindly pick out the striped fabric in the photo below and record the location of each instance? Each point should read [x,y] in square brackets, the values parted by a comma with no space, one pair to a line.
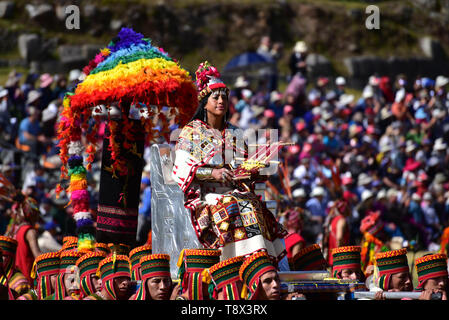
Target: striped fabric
[44,267]
[431,266]
[19,283]
[309,258]
[347,257]
[67,260]
[191,264]
[114,266]
[30,295]
[250,272]
[88,265]
[8,246]
[224,276]
[134,256]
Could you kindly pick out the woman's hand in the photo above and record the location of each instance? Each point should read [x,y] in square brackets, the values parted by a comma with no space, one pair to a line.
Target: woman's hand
[222,175]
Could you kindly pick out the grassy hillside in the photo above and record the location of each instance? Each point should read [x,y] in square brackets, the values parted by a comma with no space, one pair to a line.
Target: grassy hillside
[194,30]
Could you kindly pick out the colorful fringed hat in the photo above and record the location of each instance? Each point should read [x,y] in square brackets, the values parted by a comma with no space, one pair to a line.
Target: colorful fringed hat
[372,223]
[208,79]
[102,247]
[250,272]
[88,265]
[134,256]
[8,246]
[431,266]
[114,266]
[152,265]
[191,264]
[155,265]
[69,243]
[347,257]
[389,263]
[111,267]
[45,265]
[130,71]
[224,276]
[309,258]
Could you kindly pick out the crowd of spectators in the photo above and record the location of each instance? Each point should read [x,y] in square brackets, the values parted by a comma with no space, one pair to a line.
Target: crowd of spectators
[388,147]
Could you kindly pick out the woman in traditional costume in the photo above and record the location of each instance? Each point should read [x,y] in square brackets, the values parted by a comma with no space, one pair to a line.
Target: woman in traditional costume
[226,214]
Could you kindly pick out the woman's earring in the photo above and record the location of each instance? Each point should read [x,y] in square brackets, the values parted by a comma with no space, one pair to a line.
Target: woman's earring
[205,115]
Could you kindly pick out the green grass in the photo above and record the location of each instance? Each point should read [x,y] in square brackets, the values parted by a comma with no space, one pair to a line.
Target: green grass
[5,71]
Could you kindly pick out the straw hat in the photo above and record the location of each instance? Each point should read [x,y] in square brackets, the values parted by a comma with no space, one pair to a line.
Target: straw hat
[299,193]
[317,192]
[33,95]
[364,179]
[439,145]
[366,194]
[300,47]
[3,92]
[241,82]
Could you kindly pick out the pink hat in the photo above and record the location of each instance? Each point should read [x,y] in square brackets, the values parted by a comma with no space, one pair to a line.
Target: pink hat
[411,165]
[46,80]
[307,147]
[300,126]
[347,195]
[287,109]
[346,180]
[269,113]
[294,149]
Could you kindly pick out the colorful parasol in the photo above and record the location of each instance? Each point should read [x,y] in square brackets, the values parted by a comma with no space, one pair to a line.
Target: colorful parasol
[129,72]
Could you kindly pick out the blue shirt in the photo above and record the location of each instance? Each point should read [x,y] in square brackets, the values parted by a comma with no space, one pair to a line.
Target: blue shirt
[33,128]
[145,208]
[315,207]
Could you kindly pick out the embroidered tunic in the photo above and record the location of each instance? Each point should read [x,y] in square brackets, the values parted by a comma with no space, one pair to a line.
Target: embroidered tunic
[223,216]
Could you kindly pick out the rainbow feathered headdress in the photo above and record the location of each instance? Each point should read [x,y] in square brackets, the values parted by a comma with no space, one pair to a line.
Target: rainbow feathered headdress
[130,71]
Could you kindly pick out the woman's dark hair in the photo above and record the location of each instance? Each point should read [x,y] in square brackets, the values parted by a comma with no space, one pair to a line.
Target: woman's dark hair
[200,112]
